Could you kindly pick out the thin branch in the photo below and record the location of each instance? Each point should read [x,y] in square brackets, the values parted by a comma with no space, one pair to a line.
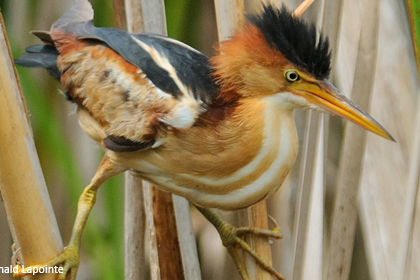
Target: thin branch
[302,8]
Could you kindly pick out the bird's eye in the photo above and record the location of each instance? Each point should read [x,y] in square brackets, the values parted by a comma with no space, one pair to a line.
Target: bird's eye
[291,75]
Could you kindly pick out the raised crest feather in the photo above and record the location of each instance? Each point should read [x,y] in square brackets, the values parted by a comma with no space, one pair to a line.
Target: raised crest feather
[298,41]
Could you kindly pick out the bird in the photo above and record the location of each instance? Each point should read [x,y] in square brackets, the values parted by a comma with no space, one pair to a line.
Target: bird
[218,131]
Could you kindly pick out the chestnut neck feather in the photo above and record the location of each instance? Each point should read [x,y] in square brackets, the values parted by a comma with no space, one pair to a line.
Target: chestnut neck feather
[241,57]
[247,65]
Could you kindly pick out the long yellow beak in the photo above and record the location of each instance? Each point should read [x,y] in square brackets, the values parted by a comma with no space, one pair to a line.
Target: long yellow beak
[326,96]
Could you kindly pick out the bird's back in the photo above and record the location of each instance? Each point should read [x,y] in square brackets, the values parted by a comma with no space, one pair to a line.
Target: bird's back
[136,87]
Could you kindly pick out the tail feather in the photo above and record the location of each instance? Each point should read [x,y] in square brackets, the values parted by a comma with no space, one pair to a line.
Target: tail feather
[80,12]
[42,56]
[68,27]
[74,25]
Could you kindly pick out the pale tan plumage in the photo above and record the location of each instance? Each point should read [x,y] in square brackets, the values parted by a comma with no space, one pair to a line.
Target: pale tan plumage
[116,94]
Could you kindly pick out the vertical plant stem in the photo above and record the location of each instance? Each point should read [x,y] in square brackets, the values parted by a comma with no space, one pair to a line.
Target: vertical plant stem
[302,215]
[134,229]
[257,216]
[149,16]
[414,180]
[22,185]
[5,242]
[344,217]
[307,231]
[170,259]
[229,14]
[302,8]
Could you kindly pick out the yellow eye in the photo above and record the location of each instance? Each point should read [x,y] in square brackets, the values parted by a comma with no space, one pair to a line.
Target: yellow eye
[291,75]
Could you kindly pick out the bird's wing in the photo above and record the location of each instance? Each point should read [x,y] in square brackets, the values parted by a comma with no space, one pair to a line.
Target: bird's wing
[136,87]
[170,64]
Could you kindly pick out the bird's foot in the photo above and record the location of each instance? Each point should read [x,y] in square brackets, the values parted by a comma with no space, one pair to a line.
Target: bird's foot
[68,262]
[232,239]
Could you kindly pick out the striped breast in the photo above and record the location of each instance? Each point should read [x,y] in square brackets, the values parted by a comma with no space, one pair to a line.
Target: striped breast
[232,166]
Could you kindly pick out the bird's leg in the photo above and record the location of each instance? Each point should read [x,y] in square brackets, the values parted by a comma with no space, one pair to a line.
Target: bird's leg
[69,258]
[232,239]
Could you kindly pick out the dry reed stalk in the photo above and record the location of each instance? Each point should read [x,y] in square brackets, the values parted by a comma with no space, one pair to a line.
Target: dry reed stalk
[135,260]
[307,175]
[344,217]
[413,186]
[386,193]
[22,185]
[302,8]
[411,249]
[229,14]
[307,233]
[309,236]
[173,255]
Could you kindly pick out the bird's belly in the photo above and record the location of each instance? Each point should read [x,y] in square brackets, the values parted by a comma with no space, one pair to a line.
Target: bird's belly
[249,183]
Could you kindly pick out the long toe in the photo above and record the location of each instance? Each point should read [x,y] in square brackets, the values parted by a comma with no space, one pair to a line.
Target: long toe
[238,242]
[275,233]
[68,261]
[231,239]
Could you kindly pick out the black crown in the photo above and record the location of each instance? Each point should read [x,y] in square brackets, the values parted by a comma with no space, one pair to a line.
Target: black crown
[295,39]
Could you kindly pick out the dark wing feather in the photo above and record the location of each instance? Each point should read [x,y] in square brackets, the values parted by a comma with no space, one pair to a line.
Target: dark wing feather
[191,66]
[123,43]
[121,144]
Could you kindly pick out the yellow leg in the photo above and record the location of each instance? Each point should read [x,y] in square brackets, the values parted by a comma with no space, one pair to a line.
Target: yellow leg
[69,258]
[231,239]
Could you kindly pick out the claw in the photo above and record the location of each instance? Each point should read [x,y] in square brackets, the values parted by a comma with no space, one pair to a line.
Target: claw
[232,240]
[68,262]
[276,225]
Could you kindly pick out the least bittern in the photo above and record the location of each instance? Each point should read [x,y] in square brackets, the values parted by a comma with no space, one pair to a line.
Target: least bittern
[217,131]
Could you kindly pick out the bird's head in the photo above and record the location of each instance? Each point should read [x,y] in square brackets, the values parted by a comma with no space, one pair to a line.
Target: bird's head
[278,56]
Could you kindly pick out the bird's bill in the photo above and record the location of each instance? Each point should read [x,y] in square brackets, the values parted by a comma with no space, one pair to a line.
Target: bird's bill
[326,96]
